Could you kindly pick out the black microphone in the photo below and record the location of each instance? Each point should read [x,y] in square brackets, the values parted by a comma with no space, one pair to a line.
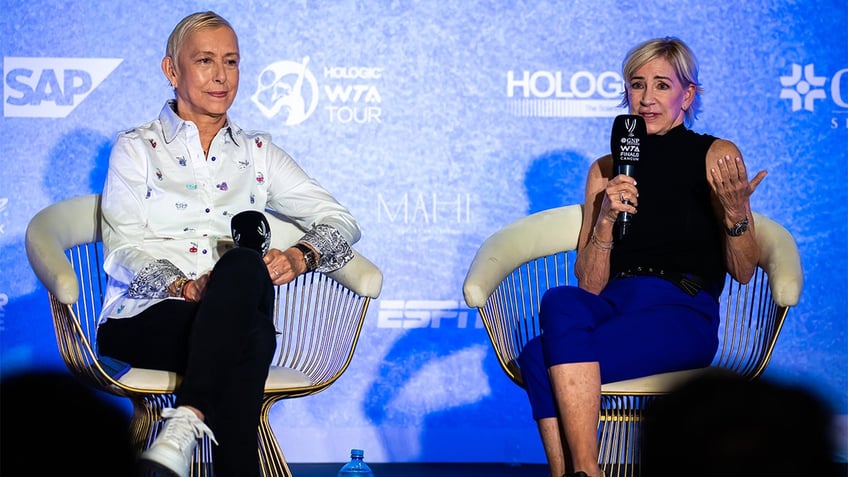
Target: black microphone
[628,136]
[251,230]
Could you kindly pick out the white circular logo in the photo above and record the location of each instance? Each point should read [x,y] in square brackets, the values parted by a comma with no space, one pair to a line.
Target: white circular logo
[289,88]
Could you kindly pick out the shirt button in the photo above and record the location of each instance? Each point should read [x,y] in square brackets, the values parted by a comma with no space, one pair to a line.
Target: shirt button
[207,210]
[203,251]
[214,158]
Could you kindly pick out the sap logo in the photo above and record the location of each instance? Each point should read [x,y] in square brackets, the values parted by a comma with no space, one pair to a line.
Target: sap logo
[423,314]
[51,87]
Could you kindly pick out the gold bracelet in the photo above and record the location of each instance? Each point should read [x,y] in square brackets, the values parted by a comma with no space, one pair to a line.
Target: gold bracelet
[185,289]
[601,245]
[175,289]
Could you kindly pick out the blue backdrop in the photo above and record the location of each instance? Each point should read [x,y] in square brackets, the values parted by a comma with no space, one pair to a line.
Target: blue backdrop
[437,123]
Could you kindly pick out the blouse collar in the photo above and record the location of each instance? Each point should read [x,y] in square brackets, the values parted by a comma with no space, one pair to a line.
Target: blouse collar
[172,124]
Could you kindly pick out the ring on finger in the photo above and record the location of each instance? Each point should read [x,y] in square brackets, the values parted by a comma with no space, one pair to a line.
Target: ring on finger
[621,196]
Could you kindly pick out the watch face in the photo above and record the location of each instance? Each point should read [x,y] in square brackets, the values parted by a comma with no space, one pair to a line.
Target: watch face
[738,228]
[308,256]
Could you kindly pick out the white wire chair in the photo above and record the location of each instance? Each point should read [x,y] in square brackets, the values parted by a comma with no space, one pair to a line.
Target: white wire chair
[514,267]
[320,317]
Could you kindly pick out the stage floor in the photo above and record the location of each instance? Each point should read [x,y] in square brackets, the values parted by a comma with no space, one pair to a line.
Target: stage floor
[428,470]
[449,470]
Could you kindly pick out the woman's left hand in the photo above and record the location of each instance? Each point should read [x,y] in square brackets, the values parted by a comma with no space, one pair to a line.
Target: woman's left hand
[284,267]
[731,186]
[195,289]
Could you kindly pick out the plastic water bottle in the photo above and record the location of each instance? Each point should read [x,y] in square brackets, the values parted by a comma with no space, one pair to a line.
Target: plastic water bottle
[356,467]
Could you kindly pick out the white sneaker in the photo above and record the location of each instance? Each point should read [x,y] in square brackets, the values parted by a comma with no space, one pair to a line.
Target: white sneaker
[173,450]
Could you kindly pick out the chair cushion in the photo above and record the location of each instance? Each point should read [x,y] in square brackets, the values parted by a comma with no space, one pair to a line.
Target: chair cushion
[150,379]
[280,377]
[158,381]
[654,384]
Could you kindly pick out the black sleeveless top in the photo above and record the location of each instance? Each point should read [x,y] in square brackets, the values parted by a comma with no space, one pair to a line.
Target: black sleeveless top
[675,228]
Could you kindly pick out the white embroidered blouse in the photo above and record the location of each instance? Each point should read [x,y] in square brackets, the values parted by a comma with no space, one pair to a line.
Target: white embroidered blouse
[167,208]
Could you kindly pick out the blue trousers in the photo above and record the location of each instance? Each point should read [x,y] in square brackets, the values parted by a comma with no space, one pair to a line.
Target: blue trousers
[635,327]
[222,347]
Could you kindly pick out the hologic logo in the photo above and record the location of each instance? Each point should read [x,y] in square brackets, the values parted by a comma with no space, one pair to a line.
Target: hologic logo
[51,87]
[803,87]
[288,88]
[552,94]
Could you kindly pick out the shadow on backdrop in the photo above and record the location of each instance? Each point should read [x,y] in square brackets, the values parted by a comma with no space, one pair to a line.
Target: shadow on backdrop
[432,378]
[556,178]
[440,378]
[77,165]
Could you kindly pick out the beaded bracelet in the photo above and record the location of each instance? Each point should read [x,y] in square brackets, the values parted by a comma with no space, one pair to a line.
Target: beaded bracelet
[185,289]
[601,245]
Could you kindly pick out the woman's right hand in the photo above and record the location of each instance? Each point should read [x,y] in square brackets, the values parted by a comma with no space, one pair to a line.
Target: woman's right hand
[620,195]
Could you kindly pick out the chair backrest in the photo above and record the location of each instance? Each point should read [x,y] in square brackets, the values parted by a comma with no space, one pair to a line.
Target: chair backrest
[64,248]
[517,264]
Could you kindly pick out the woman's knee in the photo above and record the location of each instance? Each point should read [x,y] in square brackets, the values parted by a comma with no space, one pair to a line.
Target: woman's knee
[241,257]
[241,268]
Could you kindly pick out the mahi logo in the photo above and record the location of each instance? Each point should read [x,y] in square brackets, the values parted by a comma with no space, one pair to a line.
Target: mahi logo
[51,87]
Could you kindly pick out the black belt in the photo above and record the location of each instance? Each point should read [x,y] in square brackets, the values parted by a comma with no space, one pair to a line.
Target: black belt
[687,282]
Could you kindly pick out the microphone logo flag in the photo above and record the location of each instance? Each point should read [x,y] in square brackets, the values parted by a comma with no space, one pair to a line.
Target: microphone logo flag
[630,125]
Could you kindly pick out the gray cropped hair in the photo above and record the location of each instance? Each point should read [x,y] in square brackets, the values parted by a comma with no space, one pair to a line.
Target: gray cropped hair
[190,24]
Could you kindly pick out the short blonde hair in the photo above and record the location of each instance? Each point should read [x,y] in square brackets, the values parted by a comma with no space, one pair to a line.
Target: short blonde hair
[682,60]
[190,24]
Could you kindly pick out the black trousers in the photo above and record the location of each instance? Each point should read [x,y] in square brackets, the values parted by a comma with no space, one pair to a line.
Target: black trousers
[222,347]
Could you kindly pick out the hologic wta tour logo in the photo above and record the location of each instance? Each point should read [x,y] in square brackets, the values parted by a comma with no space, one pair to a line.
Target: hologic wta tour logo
[803,87]
[289,89]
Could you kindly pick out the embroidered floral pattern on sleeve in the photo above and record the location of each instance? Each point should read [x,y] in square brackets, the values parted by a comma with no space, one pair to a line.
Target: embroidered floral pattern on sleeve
[153,280]
[334,249]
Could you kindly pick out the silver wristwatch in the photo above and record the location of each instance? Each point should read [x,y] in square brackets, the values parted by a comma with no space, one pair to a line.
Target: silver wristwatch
[738,228]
